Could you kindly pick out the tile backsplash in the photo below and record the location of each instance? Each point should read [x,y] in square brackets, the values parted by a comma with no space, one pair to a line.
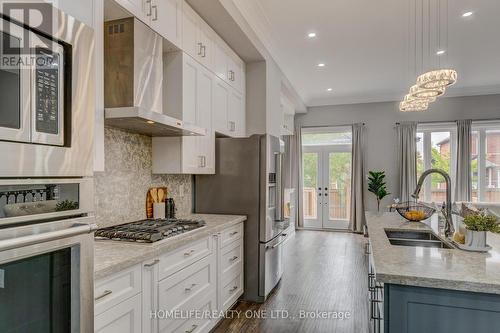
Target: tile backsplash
[121,190]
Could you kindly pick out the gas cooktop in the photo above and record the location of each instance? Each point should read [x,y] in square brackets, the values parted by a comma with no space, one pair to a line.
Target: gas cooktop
[148,231]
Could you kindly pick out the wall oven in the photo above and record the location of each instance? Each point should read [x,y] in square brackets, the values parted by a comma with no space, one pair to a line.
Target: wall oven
[46,255]
[47,94]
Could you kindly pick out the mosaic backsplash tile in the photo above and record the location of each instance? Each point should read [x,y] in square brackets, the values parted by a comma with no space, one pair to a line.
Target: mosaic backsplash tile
[121,190]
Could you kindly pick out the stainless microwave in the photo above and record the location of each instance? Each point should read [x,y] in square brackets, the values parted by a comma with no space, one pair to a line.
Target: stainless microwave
[47,97]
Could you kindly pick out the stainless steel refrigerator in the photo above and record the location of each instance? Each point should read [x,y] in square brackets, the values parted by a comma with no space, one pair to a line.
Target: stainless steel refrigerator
[249,181]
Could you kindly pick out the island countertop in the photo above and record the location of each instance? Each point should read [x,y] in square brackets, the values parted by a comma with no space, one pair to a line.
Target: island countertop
[114,256]
[431,267]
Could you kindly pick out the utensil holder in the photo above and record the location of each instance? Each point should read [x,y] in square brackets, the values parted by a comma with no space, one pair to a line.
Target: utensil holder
[159,210]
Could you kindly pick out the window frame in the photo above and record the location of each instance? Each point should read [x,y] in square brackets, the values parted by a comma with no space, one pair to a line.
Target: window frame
[481,127]
[427,129]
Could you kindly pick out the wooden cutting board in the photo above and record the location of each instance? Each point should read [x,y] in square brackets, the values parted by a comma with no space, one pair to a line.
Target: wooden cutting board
[150,200]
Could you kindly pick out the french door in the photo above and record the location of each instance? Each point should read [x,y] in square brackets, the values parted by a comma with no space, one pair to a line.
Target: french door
[327,186]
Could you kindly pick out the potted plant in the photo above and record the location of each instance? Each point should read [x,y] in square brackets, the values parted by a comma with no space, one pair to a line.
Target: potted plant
[376,185]
[476,226]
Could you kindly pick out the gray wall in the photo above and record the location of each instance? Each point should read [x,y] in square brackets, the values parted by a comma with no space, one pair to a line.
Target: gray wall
[120,191]
[380,119]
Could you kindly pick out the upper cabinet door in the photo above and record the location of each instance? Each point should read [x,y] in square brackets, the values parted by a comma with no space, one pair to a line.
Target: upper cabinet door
[221,107]
[139,8]
[190,43]
[166,19]
[206,37]
[220,60]
[236,114]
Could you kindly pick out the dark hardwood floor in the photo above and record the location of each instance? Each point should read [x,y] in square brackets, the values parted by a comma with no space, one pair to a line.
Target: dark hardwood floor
[324,271]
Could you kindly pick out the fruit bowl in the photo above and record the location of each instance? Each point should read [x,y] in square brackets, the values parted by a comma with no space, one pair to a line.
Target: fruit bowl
[414,211]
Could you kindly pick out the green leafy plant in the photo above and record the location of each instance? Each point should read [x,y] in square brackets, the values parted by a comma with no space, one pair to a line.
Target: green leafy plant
[482,222]
[66,205]
[377,185]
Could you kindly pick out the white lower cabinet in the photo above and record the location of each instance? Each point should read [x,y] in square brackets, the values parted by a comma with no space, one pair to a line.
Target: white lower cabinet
[122,318]
[175,291]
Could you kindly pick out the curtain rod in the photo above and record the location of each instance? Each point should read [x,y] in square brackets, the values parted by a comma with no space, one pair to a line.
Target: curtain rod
[344,125]
[452,121]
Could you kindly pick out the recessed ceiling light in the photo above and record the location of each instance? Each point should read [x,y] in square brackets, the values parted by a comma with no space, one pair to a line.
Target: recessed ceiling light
[440,52]
[321,64]
[311,35]
[467,14]
[329,89]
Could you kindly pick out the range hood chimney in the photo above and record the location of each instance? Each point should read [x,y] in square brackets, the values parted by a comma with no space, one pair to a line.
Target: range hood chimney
[133,81]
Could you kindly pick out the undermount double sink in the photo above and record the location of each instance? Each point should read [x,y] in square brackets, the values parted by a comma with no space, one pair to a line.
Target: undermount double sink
[416,238]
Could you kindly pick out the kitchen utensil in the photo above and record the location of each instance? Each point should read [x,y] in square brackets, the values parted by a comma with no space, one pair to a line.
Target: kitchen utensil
[158,210]
[154,194]
[414,211]
[161,195]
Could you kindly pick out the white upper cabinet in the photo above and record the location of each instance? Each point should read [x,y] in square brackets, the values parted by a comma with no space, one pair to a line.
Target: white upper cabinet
[166,19]
[163,16]
[228,66]
[139,8]
[236,114]
[188,96]
[197,37]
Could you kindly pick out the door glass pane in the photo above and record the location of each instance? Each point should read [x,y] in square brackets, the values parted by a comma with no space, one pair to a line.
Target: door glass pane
[310,176]
[10,113]
[474,166]
[492,165]
[339,190]
[22,200]
[440,159]
[420,159]
[35,294]
[327,138]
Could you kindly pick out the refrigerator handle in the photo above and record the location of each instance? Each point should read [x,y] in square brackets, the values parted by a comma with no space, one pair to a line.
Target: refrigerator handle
[279,187]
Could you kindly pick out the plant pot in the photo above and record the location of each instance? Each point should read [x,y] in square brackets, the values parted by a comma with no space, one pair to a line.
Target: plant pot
[475,239]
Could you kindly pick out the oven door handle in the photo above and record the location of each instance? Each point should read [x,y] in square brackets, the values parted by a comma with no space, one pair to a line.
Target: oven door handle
[75,230]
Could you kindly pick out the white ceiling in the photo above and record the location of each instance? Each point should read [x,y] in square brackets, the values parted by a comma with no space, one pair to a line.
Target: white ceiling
[365,47]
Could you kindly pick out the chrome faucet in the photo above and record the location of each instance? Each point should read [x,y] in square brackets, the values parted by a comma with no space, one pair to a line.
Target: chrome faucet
[449,229]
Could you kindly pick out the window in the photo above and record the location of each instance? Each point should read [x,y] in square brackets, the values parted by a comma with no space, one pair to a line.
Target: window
[436,148]
[485,161]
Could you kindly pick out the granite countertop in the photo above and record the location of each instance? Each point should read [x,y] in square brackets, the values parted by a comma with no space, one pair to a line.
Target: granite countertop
[431,267]
[113,256]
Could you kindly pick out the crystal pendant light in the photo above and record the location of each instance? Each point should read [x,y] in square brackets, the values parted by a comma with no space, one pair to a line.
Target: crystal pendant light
[417,92]
[415,105]
[437,79]
[410,98]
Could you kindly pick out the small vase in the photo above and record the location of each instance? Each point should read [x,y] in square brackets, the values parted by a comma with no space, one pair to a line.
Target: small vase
[475,239]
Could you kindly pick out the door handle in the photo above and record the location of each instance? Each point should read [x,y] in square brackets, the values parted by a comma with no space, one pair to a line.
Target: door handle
[75,230]
[204,48]
[200,45]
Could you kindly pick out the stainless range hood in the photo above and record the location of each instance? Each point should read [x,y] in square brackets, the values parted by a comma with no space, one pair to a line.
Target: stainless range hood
[133,81]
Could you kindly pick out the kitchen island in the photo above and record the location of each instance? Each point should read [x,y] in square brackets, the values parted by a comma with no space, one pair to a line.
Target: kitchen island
[421,289]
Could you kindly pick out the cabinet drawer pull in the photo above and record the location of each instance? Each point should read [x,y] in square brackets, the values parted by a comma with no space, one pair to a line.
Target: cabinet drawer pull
[150,10]
[192,329]
[152,264]
[200,46]
[187,254]
[233,233]
[204,51]
[233,289]
[233,258]
[104,294]
[189,289]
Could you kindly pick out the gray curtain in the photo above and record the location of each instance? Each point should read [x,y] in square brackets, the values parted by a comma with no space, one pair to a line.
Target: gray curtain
[463,186]
[296,174]
[407,158]
[357,218]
